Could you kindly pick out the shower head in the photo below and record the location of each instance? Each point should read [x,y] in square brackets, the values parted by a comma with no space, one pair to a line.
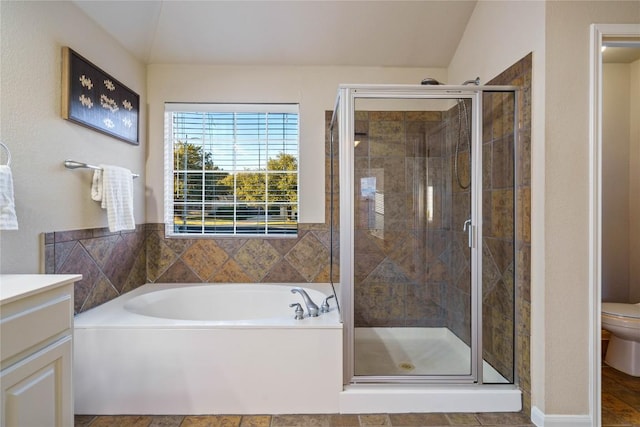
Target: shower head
[430,81]
[475,81]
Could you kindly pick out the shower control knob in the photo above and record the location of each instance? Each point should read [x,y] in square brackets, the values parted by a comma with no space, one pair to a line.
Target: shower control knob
[299,311]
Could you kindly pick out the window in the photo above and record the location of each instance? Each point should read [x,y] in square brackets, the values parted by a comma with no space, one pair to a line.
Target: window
[231,169]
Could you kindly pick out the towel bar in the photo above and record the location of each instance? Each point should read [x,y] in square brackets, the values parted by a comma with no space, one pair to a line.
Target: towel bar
[72,164]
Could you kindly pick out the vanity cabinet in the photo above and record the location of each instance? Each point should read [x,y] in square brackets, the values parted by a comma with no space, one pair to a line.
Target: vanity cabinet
[36,336]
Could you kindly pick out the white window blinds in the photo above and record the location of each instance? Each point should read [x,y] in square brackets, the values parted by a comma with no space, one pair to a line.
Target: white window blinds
[231,169]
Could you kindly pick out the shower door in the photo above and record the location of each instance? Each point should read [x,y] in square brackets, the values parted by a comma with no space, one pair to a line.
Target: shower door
[410,160]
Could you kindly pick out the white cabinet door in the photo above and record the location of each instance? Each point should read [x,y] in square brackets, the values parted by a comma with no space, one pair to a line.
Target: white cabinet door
[36,392]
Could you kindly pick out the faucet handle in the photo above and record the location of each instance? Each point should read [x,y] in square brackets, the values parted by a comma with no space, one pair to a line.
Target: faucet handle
[312,308]
[299,311]
[324,307]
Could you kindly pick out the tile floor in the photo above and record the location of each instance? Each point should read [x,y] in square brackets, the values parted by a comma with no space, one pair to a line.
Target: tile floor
[393,420]
[620,398]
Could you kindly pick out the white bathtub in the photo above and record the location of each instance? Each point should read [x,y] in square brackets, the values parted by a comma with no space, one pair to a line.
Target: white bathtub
[207,349]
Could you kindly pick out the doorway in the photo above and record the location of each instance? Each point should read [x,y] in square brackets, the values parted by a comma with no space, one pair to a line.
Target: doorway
[623,40]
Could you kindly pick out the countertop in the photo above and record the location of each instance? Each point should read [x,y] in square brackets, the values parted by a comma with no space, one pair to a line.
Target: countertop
[15,286]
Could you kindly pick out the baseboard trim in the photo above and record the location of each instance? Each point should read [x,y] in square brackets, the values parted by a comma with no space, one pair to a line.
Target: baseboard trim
[540,419]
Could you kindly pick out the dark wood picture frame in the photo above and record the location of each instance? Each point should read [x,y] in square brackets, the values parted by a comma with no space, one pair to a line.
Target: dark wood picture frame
[92,98]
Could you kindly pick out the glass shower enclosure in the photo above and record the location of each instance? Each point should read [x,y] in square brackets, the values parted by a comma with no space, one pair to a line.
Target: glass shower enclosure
[426,231]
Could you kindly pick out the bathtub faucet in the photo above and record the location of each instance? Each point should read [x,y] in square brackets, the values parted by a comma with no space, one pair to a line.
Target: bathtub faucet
[312,308]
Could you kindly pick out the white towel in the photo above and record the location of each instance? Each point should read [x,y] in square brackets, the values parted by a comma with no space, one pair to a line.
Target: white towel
[8,218]
[96,186]
[113,186]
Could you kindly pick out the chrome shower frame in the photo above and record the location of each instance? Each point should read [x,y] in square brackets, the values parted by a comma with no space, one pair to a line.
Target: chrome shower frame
[344,114]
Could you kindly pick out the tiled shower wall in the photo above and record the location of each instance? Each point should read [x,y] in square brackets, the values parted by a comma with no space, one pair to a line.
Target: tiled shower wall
[498,259]
[400,276]
[412,266]
[458,189]
[506,229]
[519,75]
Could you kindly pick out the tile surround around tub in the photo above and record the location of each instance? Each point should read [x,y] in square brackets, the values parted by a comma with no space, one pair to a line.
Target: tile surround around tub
[114,263]
[110,263]
[257,260]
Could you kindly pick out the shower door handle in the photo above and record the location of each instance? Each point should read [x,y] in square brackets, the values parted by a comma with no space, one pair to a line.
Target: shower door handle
[469,229]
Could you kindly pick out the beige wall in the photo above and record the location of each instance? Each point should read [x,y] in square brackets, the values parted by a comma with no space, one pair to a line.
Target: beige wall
[616,146]
[565,353]
[634,185]
[48,196]
[498,34]
[314,88]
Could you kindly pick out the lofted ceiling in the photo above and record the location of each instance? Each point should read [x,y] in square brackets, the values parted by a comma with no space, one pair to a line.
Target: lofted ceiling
[390,33]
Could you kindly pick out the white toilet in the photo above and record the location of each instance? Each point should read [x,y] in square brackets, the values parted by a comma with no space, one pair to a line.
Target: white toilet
[623,321]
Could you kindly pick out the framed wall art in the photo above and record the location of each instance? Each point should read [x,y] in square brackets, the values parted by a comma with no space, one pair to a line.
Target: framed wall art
[92,98]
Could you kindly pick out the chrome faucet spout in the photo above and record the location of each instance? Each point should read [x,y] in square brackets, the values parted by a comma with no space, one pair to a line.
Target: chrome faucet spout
[475,81]
[312,308]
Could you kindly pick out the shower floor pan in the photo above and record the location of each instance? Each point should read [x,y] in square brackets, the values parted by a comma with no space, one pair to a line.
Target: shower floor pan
[421,351]
[415,351]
